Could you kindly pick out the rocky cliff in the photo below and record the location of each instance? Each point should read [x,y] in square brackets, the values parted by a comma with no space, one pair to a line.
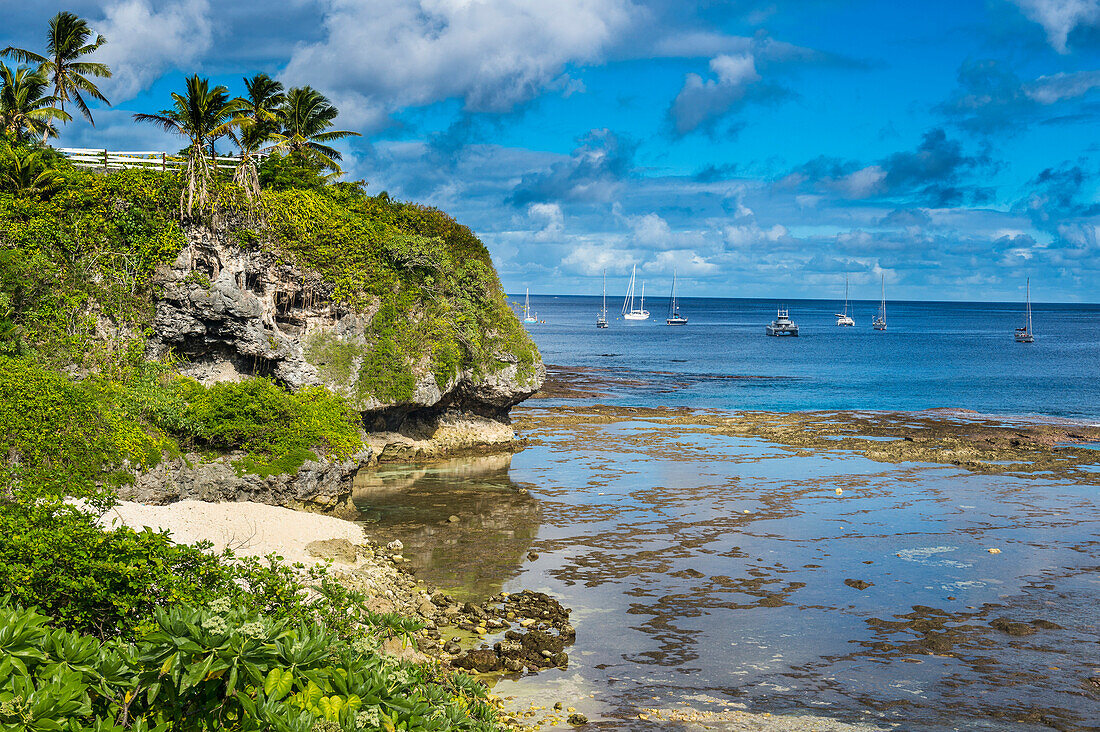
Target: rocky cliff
[234,311]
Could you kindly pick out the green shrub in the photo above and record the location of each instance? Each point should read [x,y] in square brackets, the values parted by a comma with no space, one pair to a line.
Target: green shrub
[65,437]
[276,427]
[221,666]
[282,172]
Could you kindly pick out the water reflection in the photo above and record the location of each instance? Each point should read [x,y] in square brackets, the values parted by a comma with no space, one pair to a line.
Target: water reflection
[465,524]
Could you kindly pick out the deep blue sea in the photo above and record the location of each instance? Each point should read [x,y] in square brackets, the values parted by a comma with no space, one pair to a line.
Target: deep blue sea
[933,355]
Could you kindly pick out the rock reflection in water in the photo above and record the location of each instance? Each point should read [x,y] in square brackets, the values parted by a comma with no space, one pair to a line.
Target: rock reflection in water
[465,525]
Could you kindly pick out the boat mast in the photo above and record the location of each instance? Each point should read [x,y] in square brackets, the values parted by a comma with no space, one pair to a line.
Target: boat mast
[884,298]
[672,296]
[527,303]
[642,307]
[845,294]
[1029,306]
[605,294]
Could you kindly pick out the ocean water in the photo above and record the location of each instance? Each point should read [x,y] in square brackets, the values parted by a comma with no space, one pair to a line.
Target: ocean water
[707,570]
[933,355]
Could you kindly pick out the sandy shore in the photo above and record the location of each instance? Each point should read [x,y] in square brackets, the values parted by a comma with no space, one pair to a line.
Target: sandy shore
[250,529]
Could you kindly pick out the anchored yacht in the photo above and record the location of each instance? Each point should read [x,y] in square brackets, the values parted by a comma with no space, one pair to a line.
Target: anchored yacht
[844,318]
[782,325]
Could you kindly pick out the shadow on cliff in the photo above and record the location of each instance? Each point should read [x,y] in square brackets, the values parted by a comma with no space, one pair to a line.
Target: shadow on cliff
[465,525]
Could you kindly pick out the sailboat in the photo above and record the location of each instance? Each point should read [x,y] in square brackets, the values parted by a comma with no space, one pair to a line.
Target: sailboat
[629,312]
[528,316]
[1025,335]
[601,319]
[674,317]
[844,318]
[879,323]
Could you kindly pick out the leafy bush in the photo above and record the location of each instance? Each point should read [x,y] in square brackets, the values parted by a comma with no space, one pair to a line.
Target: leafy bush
[282,172]
[221,666]
[64,437]
[109,583]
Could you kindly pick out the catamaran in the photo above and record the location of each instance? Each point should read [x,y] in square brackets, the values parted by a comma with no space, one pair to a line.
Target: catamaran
[879,323]
[844,318]
[782,325]
[629,312]
[528,316]
[1025,335]
[601,319]
[674,317]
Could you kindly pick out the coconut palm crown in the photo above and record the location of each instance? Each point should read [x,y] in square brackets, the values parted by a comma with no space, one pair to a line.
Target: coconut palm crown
[305,118]
[202,115]
[68,40]
[27,109]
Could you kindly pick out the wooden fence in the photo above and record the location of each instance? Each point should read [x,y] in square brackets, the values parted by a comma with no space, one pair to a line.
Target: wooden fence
[105,160]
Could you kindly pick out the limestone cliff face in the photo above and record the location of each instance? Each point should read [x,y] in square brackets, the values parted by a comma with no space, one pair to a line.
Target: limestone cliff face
[235,311]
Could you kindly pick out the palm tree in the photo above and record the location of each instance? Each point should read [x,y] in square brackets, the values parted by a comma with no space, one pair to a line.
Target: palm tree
[305,118]
[257,120]
[26,106]
[28,172]
[202,115]
[66,42]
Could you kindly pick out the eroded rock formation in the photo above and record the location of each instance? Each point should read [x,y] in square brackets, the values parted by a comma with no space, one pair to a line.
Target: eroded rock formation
[236,311]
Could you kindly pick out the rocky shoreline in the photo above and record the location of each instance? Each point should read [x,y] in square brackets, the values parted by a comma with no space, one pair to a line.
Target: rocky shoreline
[509,634]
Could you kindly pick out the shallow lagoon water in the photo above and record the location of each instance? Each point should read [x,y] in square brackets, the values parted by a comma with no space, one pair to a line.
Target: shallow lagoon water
[679,595]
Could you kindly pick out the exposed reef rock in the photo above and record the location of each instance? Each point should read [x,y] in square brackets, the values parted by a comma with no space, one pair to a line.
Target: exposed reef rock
[235,311]
[320,485]
[445,435]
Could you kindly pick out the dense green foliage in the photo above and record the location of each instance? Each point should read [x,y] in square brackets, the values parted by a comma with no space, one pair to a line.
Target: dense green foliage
[153,635]
[68,437]
[109,583]
[220,666]
[65,437]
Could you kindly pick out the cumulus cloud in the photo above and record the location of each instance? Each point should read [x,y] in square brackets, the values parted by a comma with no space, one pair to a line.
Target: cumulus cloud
[551,219]
[933,173]
[1057,195]
[146,39]
[593,259]
[1059,18]
[1056,87]
[491,54]
[701,103]
[592,173]
[990,98]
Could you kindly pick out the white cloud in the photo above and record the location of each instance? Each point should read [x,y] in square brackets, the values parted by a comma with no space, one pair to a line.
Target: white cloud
[1060,17]
[681,261]
[860,183]
[145,39]
[594,259]
[703,101]
[550,217]
[650,230]
[1056,87]
[749,234]
[492,54]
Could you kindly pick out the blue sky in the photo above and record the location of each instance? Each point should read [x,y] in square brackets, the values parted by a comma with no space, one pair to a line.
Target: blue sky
[758,148]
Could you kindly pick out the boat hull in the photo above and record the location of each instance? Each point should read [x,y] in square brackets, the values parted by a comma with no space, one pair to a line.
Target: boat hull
[643,315]
[844,320]
[781,331]
[1025,338]
[676,321]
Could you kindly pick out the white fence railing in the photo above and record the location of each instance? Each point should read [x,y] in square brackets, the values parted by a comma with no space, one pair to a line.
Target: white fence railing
[115,160]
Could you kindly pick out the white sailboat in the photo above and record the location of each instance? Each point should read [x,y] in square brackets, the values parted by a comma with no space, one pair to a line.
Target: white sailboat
[879,323]
[1025,335]
[601,319]
[674,317]
[844,318]
[528,316]
[629,311]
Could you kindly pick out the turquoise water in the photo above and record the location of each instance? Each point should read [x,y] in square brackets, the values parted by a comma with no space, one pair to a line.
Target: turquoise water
[955,355]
